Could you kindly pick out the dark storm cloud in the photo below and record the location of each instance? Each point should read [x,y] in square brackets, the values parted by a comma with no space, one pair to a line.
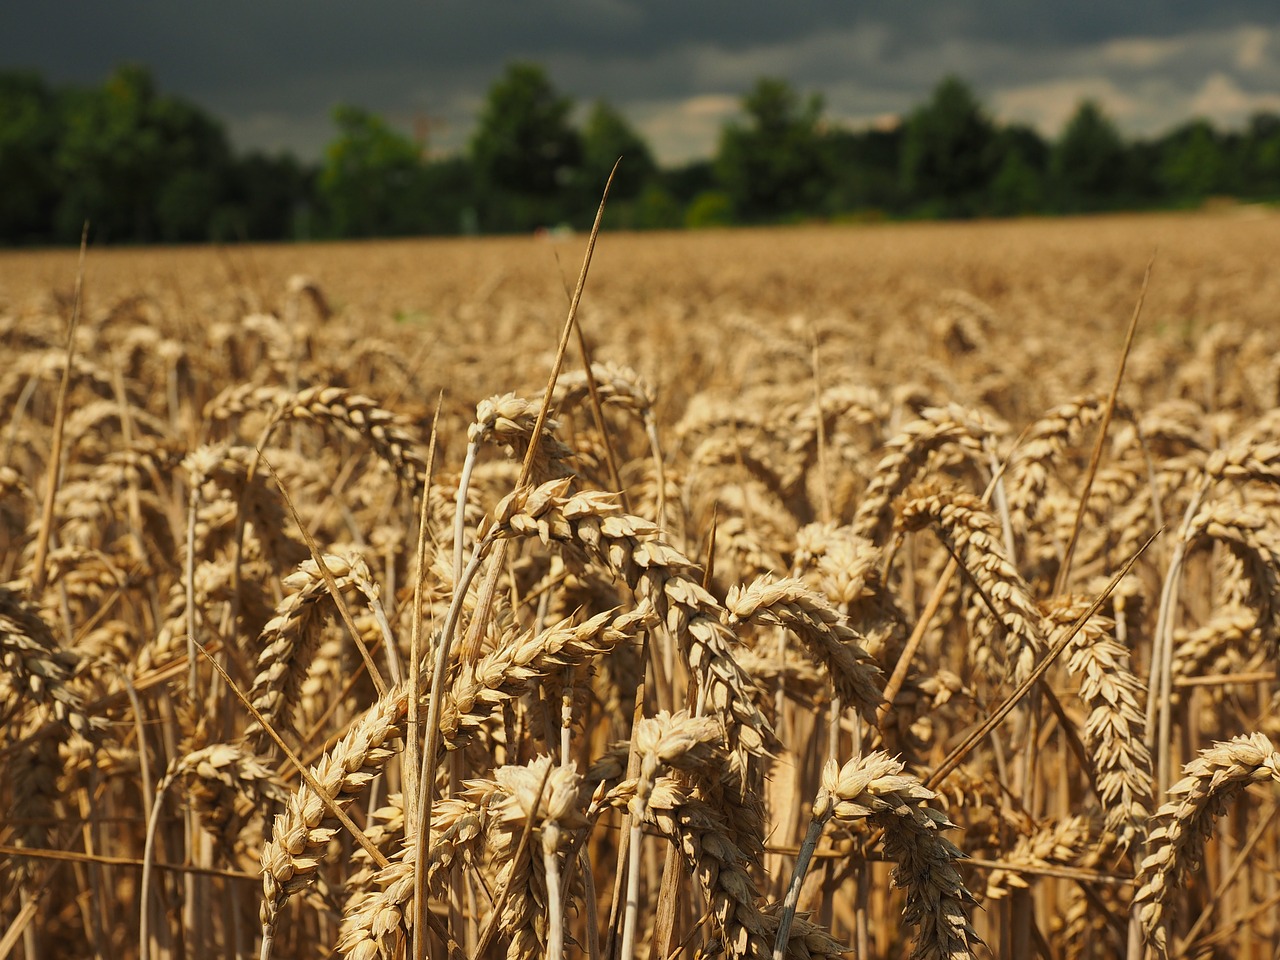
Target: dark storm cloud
[274,69]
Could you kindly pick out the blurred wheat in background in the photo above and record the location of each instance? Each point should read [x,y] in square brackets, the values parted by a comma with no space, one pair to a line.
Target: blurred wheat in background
[317,639]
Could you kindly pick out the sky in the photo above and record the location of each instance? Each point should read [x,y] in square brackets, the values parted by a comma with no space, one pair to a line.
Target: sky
[273,70]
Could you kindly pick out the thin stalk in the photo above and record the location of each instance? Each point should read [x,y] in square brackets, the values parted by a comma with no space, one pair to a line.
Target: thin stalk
[412,743]
[593,918]
[1160,687]
[148,854]
[555,913]
[659,471]
[792,899]
[633,770]
[597,413]
[566,717]
[631,915]
[1064,572]
[426,777]
[460,506]
[39,573]
[824,487]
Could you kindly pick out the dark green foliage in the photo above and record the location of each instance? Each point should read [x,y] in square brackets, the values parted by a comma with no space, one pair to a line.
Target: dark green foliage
[269,198]
[1194,162]
[948,154]
[525,153]
[864,169]
[137,165]
[1260,156]
[372,180]
[1018,186]
[141,166]
[774,164]
[606,137]
[1088,166]
[28,144]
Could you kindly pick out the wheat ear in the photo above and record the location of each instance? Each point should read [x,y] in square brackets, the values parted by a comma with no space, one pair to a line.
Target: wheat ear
[824,631]
[875,788]
[1185,820]
[655,571]
[300,835]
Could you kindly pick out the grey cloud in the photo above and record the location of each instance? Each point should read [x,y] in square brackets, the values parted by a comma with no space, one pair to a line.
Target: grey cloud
[274,70]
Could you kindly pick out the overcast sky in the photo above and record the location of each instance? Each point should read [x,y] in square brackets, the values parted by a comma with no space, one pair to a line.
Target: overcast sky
[274,69]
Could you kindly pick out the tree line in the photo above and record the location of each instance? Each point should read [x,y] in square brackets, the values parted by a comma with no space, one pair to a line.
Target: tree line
[146,167]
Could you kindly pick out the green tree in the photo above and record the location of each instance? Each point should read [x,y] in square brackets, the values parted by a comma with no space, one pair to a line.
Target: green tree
[1022,158]
[270,197]
[773,165]
[657,209]
[947,152]
[606,136]
[1088,164]
[449,201]
[710,209]
[1193,163]
[864,167]
[525,152]
[1261,156]
[28,144]
[371,183]
[137,165]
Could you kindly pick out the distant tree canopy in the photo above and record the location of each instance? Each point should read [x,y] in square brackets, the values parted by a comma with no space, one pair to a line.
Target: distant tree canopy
[607,137]
[774,164]
[138,165]
[142,166]
[371,178]
[1088,161]
[28,143]
[948,152]
[525,152]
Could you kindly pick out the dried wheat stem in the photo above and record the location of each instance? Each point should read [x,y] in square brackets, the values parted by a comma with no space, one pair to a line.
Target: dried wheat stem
[1160,682]
[822,815]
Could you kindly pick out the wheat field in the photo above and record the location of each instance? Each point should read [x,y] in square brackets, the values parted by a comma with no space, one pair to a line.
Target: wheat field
[852,592]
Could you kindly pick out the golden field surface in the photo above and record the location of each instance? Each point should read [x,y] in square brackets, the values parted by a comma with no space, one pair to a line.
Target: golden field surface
[834,602]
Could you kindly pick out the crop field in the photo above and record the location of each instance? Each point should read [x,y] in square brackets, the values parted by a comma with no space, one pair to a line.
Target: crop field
[852,592]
